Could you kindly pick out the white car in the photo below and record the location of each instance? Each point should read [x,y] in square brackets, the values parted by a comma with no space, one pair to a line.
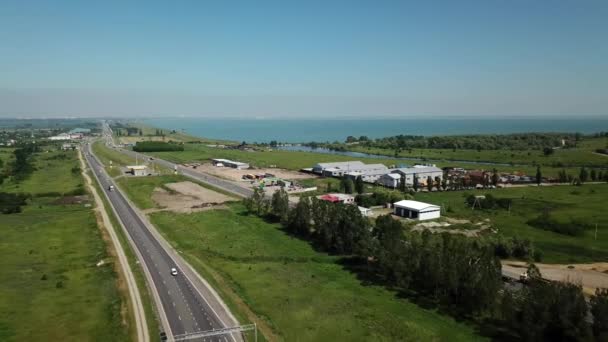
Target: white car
[174,271]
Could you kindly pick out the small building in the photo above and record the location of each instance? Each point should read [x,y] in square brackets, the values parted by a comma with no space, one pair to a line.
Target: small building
[416,210]
[390,180]
[138,170]
[366,212]
[229,163]
[68,147]
[338,198]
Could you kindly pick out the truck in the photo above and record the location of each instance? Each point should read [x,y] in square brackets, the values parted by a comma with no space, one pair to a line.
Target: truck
[111,188]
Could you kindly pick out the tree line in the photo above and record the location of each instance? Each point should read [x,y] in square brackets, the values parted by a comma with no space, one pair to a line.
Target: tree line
[518,141]
[460,274]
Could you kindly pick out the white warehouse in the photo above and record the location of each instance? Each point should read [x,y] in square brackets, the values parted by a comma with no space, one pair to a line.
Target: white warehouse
[416,210]
[421,172]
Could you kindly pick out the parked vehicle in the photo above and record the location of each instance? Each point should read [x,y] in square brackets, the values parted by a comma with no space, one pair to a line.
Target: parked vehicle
[174,271]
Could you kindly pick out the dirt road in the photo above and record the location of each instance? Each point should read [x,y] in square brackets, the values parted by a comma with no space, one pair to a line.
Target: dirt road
[590,276]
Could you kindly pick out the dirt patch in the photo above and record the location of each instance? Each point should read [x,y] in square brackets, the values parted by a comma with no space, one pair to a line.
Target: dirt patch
[237,175]
[455,226]
[590,276]
[72,200]
[187,197]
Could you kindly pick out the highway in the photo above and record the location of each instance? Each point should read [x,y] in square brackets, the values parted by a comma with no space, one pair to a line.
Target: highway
[188,305]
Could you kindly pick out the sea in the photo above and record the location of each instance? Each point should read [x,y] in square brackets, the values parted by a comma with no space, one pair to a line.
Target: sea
[330,130]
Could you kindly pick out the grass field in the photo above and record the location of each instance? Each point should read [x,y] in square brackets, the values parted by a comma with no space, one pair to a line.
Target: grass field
[107,155]
[586,204]
[298,160]
[581,156]
[50,286]
[303,294]
[53,174]
[139,189]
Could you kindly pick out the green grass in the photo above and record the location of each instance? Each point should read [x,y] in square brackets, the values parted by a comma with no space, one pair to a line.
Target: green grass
[63,243]
[53,174]
[586,204]
[139,189]
[581,156]
[107,155]
[303,294]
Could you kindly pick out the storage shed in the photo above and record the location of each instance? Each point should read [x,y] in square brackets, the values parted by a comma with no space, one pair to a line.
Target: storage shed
[416,210]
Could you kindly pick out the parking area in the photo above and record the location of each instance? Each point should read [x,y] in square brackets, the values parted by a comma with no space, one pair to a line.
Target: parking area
[237,175]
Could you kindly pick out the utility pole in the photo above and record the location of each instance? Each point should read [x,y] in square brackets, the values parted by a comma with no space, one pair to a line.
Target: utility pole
[596,231]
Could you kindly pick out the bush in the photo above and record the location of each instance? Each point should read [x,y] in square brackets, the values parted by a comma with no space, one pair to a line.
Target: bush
[12,203]
[546,222]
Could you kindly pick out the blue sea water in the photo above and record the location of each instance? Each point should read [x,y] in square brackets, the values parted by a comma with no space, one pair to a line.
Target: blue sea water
[306,130]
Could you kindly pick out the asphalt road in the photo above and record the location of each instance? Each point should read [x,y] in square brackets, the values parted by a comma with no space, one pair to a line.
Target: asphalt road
[220,183]
[184,306]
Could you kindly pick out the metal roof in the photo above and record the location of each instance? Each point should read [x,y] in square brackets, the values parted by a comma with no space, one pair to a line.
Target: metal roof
[415,205]
[345,164]
[413,170]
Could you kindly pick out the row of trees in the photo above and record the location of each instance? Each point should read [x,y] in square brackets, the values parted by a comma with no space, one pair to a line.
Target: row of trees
[460,274]
[523,141]
[584,175]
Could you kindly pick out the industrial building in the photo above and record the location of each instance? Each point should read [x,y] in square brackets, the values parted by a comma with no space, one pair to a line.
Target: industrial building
[389,180]
[346,166]
[416,210]
[421,172]
[138,170]
[229,163]
[369,172]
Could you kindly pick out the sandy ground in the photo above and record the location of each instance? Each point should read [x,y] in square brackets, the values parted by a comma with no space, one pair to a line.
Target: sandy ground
[237,175]
[590,276]
[187,197]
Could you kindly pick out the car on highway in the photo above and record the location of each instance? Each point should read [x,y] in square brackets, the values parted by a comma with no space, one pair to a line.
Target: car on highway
[111,188]
[174,271]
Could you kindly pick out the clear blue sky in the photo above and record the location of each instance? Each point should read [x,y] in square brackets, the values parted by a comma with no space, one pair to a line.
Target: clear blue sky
[304,58]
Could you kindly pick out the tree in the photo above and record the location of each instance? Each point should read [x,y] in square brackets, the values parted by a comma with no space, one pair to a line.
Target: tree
[346,184]
[539,176]
[495,177]
[415,185]
[350,139]
[257,203]
[599,310]
[329,188]
[583,175]
[429,183]
[359,186]
[140,132]
[280,204]
[299,218]
[402,185]
[547,151]
[593,175]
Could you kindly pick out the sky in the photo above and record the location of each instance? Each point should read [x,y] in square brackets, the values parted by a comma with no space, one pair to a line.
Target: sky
[304,58]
